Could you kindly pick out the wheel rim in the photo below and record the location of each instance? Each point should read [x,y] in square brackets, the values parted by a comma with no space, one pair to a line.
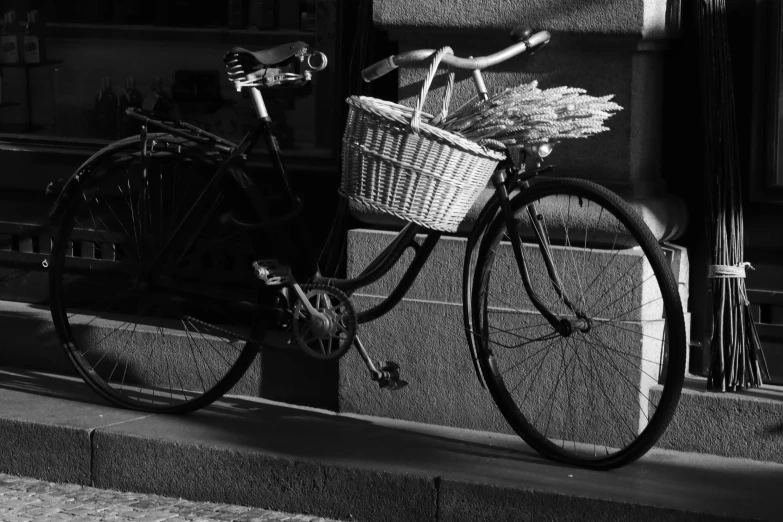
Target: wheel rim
[590,397]
[128,339]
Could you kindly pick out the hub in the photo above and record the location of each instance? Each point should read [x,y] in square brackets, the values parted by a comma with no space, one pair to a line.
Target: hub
[322,327]
[566,327]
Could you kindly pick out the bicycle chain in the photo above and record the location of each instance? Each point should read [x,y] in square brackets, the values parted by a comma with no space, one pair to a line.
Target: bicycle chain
[226,333]
[349,319]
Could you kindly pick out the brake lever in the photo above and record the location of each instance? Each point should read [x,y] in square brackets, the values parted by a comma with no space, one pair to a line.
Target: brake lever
[533,49]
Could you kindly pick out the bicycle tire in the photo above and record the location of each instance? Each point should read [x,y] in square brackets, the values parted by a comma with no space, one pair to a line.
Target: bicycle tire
[95,254]
[655,324]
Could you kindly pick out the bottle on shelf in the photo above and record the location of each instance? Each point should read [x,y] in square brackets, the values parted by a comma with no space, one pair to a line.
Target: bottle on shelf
[9,39]
[150,102]
[106,111]
[130,97]
[288,15]
[33,39]
[263,14]
[308,20]
[157,88]
[237,14]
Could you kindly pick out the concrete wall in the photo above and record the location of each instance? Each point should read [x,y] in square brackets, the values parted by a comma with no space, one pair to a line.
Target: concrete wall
[636,18]
[613,47]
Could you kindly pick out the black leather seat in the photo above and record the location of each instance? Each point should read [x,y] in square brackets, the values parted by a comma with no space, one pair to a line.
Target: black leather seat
[268,57]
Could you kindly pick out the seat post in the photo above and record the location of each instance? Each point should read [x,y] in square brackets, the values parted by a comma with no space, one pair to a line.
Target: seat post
[258,100]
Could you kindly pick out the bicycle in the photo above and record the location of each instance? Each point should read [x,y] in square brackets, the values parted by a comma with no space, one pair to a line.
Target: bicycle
[166,279]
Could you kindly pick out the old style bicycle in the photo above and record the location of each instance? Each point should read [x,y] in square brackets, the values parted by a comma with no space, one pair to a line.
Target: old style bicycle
[170,273]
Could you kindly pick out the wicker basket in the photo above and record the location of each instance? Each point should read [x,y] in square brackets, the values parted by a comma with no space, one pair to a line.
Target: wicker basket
[395,163]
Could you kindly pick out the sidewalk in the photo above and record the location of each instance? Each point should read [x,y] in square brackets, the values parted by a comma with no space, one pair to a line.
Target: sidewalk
[26,499]
[256,453]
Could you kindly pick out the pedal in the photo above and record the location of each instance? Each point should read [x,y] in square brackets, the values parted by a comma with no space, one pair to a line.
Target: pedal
[272,273]
[389,377]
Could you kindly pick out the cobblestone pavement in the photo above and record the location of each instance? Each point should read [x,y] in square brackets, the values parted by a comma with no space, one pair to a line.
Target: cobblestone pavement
[29,500]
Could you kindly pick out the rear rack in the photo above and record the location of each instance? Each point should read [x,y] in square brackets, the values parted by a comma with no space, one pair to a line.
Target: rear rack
[182,129]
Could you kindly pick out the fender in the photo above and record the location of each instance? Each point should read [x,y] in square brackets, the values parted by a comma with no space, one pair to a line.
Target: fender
[485,219]
[78,175]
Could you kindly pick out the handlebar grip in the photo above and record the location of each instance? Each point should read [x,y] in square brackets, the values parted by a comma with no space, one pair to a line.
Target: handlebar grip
[539,39]
[378,69]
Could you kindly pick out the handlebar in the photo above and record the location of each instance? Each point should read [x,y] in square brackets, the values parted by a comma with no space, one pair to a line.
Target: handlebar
[387,65]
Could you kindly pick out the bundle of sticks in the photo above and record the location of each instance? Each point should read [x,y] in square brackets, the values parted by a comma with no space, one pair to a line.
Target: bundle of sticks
[736,355]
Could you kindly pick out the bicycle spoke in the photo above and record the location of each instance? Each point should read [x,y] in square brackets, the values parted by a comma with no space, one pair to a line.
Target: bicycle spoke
[648,336]
[551,395]
[610,398]
[193,355]
[628,357]
[582,395]
[622,374]
[534,371]
[198,347]
[141,352]
[124,229]
[552,335]
[633,309]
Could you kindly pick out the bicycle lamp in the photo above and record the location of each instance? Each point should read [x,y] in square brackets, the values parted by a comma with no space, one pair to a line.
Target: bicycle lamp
[544,149]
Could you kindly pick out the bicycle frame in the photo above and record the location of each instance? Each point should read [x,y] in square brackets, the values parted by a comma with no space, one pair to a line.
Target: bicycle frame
[237,155]
[153,244]
[384,262]
[504,184]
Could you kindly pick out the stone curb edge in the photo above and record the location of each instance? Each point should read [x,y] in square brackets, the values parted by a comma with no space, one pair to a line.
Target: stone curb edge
[109,459]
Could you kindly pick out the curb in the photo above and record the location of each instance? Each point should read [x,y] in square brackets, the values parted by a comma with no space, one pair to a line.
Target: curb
[263,454]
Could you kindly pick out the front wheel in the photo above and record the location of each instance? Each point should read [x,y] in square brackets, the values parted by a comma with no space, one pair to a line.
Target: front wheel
[601,392]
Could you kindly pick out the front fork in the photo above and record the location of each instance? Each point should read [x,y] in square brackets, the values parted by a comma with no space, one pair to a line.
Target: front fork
[561,325]
[507,181]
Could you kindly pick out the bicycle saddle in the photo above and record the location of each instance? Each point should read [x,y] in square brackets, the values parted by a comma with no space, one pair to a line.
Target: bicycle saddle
[269,57]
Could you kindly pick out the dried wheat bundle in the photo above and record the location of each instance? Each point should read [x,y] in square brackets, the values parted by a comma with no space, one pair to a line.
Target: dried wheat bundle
[527,115]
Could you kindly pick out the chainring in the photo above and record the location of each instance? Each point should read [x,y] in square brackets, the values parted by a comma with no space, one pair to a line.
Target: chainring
[330,338]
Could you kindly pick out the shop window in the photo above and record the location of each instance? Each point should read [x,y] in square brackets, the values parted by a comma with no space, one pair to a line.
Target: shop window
[97,55]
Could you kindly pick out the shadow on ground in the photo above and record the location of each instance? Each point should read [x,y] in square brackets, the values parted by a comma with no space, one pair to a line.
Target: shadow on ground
[257,424]
[245,426]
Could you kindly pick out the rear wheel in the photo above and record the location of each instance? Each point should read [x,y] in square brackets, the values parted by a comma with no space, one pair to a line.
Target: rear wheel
[601,394]
[134,340]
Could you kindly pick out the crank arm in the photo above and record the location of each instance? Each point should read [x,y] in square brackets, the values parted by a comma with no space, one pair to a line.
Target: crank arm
[314,314]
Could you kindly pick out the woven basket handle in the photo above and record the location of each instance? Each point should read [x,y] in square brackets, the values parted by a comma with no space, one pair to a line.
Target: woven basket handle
[416,118]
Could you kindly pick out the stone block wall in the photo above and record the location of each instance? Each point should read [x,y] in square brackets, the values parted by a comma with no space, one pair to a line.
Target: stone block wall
[609,47]
[426,336]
